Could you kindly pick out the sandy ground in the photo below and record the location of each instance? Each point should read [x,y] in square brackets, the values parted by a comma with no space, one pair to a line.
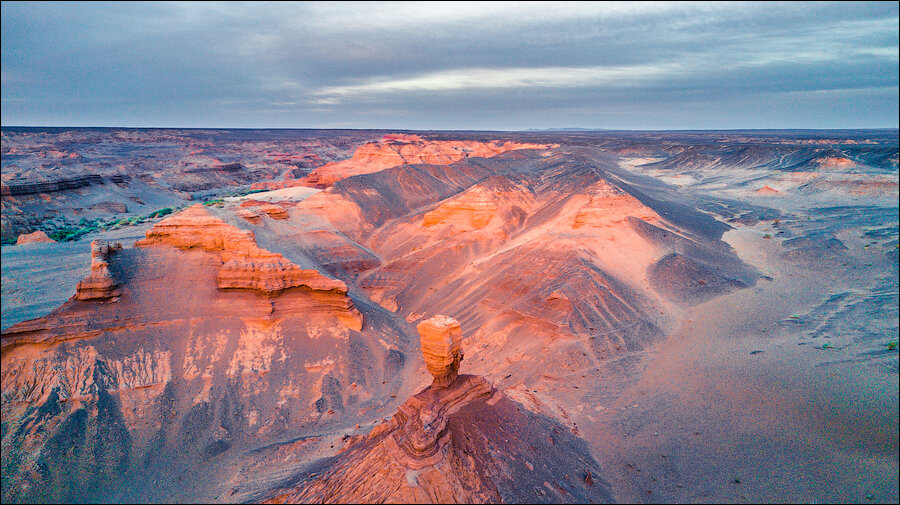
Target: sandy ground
[37,278]
[747,403]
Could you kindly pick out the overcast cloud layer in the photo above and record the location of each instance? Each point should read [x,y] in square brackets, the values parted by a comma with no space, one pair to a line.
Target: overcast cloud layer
[451,66]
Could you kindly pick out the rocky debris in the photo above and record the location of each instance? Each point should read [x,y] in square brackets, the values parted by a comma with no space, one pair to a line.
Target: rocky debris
[474,209]
[99,284]
[816,248]
[33,238]
[406,150]
[440,337]
[244,264]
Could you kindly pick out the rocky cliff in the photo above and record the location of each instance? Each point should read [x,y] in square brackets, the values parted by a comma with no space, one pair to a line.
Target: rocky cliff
[210,347]
[244,264]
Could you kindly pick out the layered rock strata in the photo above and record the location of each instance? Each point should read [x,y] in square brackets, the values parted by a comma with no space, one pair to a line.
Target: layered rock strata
[440,337]
[99,284]
[244,264]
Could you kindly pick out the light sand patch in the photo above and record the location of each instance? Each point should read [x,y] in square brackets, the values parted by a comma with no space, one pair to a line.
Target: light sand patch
[295,194]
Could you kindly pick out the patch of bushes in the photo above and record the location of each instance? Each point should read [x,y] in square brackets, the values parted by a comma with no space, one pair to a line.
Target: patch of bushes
[160,213]
[70,233]
[248,192]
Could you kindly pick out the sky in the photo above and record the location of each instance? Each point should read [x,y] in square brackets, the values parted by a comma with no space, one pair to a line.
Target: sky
[447,65]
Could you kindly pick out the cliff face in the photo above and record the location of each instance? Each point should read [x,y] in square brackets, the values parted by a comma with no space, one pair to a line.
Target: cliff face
[210,346]
[407,150]
[245,265]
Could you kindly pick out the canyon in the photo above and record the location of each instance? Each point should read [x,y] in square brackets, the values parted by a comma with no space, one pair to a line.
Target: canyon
[366,316]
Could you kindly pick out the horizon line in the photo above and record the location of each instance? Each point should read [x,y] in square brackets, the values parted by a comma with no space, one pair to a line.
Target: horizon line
[527,130]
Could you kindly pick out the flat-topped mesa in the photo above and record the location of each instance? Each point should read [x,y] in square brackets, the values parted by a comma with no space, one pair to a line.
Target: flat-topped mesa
[99,284]
[441,337]
[396,150]
[246,265]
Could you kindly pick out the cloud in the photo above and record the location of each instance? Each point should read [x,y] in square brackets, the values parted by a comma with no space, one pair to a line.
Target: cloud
[437,64]
[486,78]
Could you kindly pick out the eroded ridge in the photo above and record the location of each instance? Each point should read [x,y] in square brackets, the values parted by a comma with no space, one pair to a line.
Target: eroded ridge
[396,150]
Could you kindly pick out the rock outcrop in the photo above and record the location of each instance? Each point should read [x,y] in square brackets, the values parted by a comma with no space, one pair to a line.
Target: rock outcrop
[768,190]
[99,284]
[244,264]
[34,238]
[405,150]
[256,209]
[440,337]
[51,186]
[464,442]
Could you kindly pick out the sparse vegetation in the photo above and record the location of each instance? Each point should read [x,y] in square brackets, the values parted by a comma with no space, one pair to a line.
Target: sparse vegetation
[70,233]
[160,213]
[245,192]
[65,232]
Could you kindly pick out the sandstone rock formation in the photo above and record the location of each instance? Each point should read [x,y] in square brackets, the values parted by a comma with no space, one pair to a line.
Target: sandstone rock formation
[404,150]
[457,441]
[440,337]
[244,264]
[178,373]
[99,285]
[33,238]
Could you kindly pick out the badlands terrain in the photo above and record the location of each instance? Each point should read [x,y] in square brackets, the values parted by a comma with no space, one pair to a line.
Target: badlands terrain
[340,316]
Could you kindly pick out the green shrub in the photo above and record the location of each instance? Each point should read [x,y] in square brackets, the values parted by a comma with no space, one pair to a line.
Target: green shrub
[160,213]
